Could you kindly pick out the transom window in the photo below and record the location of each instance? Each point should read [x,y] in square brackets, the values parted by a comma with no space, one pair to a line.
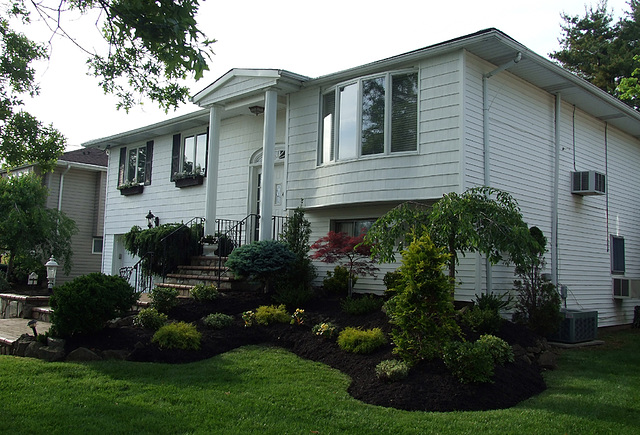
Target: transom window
[373,115]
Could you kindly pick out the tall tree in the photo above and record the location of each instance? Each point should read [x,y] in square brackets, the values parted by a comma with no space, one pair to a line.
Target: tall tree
[601,50]
[150,47]
[29,232]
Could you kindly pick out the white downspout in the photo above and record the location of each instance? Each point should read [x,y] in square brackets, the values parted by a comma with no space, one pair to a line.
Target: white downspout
[554,206]
[485,141]
[62,186]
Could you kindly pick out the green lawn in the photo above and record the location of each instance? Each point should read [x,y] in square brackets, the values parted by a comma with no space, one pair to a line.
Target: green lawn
[269,390]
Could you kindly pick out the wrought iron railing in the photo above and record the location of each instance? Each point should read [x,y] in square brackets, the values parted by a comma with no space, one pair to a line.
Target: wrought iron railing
[143,278]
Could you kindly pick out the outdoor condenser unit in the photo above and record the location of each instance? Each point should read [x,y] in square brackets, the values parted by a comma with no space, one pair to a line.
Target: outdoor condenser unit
[577,326]
[588,183]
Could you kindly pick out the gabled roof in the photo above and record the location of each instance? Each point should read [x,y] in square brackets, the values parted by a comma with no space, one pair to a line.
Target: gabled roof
[244,84]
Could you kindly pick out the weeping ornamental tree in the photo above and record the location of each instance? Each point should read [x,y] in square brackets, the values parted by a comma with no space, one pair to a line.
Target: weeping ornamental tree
[481,219]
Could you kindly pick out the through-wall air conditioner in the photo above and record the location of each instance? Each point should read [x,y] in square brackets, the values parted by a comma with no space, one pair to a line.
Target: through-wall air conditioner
[625,288]
[587,183]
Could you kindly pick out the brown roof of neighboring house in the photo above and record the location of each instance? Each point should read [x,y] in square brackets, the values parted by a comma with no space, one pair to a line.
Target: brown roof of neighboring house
[89,156]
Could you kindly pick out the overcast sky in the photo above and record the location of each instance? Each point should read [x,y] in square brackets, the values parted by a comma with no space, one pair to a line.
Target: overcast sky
[306,38]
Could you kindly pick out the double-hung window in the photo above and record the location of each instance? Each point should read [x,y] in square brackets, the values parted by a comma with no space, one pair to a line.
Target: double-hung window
[189,156]
[370,116]
[617,255]
[353,227]
[135,165]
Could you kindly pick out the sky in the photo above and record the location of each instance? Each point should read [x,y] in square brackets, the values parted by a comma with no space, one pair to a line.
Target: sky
[311,39]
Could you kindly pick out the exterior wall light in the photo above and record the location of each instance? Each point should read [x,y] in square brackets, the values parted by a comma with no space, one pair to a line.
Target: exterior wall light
[151,220]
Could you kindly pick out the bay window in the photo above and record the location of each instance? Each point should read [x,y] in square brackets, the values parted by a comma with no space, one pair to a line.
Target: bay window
[370,116]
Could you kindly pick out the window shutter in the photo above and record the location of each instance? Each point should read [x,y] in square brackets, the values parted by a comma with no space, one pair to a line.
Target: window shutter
[148,163]
[175,155]
[123,162]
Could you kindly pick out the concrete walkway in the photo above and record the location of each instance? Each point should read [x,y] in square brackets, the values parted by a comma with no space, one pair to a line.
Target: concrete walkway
[12,329]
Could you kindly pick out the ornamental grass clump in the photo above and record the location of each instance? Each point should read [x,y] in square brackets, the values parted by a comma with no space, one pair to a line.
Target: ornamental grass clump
[180,335]
[391,370]
[218,320]
[361,341]
[150,318]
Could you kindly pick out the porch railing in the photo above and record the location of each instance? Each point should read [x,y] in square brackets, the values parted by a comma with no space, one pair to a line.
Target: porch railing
[143,280]
[196,227]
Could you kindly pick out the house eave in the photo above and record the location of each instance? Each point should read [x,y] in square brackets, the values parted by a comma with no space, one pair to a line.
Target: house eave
[169,126]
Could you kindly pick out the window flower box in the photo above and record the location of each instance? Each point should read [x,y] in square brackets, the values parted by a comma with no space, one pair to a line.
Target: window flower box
[131,190]
[194,180]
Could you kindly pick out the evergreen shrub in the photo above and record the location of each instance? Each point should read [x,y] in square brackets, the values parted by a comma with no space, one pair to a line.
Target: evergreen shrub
[163,298]
[391,370]
[360,305]
[268,314]
[150,318]
[180,335]
[361,341]
[218,320]
[204,292]
[84,305]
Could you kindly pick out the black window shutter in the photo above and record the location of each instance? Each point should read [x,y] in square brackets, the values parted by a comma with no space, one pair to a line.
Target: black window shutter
[175,155]
[123,162]
[148,163]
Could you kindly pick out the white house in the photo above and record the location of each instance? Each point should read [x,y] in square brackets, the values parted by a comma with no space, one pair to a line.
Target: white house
[477,110]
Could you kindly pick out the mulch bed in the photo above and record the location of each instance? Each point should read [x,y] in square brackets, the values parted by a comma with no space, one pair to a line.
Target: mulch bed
[429,386]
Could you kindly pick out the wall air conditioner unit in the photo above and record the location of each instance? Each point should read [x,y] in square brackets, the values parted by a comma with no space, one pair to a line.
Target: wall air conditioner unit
[587,183]
[625,288]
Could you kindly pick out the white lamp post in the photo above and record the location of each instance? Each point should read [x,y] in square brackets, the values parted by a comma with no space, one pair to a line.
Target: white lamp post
[52,267]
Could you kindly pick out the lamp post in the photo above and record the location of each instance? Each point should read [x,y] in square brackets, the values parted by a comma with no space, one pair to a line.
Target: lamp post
[52,268]
[151,220]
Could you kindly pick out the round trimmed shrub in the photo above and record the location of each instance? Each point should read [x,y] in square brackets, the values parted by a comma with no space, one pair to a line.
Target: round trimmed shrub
[267,314]
[84,305]
[163,298]
[218,320]
[391,370]
[150,318]
[204,292]
[469,362]
[180,335]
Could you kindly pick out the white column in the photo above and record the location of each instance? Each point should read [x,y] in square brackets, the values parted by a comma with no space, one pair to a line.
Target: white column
[267,189]
[211,187]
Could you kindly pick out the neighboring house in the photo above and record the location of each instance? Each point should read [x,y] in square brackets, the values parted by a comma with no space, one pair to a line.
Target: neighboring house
[477,110]
[77,187]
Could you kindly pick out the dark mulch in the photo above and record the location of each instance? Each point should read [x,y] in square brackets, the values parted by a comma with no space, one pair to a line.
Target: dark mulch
[429,386]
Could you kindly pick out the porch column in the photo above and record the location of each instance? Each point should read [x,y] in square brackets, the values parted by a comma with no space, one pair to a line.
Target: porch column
[267,189]
[211,187]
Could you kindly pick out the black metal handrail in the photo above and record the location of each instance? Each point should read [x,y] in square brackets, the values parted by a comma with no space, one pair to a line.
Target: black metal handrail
[143,279]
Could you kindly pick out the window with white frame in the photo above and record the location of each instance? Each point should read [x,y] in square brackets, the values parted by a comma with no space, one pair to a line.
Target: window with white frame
[374,115]
[135,165]
[189,156]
